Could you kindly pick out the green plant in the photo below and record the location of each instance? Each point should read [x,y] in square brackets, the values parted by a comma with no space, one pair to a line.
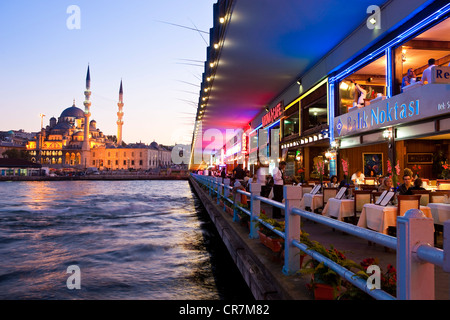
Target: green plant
[278,225]
[321,273]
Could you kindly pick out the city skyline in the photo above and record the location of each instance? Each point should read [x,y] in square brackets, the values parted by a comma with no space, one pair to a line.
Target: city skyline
[157,49]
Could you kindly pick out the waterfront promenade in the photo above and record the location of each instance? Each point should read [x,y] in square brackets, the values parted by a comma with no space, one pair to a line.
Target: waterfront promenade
[262,269]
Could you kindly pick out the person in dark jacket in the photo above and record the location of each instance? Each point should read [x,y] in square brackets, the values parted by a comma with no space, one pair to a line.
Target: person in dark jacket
[417,185]
[405,188]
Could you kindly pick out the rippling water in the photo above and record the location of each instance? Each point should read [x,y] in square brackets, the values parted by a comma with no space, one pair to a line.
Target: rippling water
[130,239]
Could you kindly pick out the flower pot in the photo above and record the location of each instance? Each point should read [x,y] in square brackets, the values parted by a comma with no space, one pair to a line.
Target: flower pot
[324,292]
[275,244]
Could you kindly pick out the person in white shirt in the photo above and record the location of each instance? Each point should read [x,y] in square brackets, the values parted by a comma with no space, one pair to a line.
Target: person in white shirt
[278,182]
[426,76]
[358,177]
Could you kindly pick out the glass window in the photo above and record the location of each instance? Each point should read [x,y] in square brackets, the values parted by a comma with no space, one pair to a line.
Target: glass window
[361,87]
[415,54]
[291,125]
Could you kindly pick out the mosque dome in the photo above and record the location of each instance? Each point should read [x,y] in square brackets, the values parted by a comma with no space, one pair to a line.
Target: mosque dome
[154,145]
[62,126]
[72,112]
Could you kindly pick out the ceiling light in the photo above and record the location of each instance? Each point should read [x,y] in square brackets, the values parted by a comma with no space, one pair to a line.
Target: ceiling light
[373,21]
[208,79]
[221,19]
[299,82]
[211,64]
[216,46]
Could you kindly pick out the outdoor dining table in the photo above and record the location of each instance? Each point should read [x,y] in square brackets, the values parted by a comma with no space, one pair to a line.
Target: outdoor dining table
[440,212]
[312,201]
[380,218]
[339,208]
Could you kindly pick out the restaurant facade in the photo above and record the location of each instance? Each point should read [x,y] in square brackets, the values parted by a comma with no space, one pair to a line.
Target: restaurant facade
[397,124]
[360,112]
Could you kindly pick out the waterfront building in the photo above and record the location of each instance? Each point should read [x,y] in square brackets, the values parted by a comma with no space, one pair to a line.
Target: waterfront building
[329,98]
[67,142]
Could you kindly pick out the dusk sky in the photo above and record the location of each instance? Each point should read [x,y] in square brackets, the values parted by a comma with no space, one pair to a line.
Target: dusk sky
[44,63]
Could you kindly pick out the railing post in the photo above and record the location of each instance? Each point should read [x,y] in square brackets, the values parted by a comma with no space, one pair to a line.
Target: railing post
[219,189]
[446,247]
[235,210]
[415,277]
[292,195]
[255,209]
[226,192]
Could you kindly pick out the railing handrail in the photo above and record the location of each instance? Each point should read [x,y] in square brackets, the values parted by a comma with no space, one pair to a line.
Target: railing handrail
[373,236]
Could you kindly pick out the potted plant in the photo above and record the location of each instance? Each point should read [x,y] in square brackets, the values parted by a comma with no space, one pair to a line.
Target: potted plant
[325,283]
[269,238]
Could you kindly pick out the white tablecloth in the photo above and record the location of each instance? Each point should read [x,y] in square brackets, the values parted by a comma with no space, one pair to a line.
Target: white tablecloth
[379,218]
[311,201]
[339,208]
[440,212]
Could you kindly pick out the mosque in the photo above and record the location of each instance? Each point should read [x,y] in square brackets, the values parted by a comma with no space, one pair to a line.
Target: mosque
[68,142]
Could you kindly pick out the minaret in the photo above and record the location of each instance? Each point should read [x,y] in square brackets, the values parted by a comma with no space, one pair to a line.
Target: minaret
[120,116]
[87,112]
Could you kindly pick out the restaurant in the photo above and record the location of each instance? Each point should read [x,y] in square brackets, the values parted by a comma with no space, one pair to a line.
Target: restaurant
[390,112]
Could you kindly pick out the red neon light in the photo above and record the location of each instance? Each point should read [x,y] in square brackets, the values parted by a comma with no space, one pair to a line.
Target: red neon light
[273,114]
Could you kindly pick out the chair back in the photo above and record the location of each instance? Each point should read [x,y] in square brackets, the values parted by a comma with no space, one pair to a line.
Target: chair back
[443,184]
[306,189]
[369,187]
[438,196]
[406,202]
[328,193]
[424,196]
[375,196]
[370,181]
[361,198]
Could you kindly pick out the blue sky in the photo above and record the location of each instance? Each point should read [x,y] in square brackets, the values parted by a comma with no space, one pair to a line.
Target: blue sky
[43,64]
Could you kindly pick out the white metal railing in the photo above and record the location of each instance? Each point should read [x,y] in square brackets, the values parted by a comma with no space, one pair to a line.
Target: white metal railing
[416,258]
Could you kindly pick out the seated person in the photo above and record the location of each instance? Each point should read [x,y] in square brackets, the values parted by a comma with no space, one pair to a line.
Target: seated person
[405,188]
[385,185]
[358,177]
[409,78]
[417,185]
[334,183]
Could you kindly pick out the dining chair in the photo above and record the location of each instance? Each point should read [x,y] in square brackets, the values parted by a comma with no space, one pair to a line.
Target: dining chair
[327,194]
[375,196]
[370,181]
[369,187]
[443,184]
[438,196]
[424,196]
[361,197]
[406,202]
[306,188]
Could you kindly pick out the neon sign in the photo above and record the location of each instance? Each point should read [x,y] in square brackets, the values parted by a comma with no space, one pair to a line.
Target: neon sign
[273,114]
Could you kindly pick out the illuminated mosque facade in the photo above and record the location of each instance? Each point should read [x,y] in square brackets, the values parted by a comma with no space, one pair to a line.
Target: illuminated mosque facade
[67,142]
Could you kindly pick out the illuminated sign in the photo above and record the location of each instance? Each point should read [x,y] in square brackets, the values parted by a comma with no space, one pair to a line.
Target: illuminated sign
[273,114]
[244,144]
[440,75]
[423,102]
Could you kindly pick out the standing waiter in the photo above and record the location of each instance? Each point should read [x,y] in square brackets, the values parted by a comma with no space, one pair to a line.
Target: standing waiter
[278,183]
